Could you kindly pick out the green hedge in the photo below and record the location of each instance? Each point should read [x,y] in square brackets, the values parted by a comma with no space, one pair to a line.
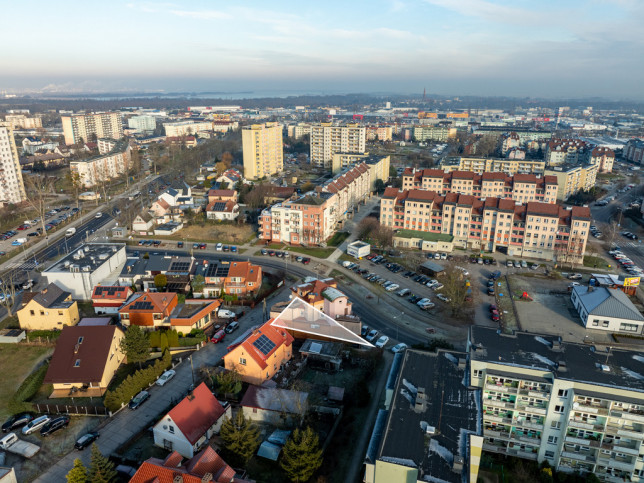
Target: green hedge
[162,339]
[135,382]
[43,334]
[30,385]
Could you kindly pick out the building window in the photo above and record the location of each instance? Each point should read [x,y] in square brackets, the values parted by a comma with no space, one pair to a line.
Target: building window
[171,429]
[77,363]
[552,439]
[563,392]
[477,373]
[559,409]
[629,327]
[555,425]
[550,454]
[242,361]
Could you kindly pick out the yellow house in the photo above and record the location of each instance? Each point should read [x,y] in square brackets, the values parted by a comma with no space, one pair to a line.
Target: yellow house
[53,308]
[261,355]
[85,360]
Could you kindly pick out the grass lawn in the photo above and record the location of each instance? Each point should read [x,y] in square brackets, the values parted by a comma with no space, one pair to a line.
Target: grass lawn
[10,323]
[318,252]
[595,262]
[214,233]
[337,239]
[21,359]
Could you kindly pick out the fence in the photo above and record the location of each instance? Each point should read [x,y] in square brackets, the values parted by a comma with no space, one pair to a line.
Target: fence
[71,409]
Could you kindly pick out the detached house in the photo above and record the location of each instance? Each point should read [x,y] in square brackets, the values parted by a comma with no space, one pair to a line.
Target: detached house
[148,310]
[191,423]
[194,314]
[143,222]
[108,299]
[240,278]
[222,210]
[324,296]
[85,360]
[53,308]
[262,354]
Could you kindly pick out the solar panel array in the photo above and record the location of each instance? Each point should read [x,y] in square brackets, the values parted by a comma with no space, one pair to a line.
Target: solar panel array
[108,291]
[215,270]
[219,206]
[179,266]
[139,305]
[264,344]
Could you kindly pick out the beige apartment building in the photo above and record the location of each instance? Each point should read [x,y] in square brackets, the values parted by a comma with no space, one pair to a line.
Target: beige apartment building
[489,165]
[12,187]
[434,133]
[604,157]
[20,121]
[565,151]
[328,139]
[380,133]
[263,150]
[104,167]
[573,178]
[520,187]
[536,230]
[77,127]
[577,406]
[186,128]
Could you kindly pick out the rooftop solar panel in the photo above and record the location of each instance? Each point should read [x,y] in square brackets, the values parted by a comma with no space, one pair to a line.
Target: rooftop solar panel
[264,344]
[142,306]
[219,206]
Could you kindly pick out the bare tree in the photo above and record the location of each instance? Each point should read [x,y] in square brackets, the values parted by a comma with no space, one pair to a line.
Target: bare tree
[8,292]
[39,188]
[454,287]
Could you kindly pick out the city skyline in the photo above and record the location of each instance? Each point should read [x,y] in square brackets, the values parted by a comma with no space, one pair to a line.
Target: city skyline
[469,47]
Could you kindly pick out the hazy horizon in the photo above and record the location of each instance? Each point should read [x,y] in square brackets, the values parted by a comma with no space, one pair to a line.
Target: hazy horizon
[547,49]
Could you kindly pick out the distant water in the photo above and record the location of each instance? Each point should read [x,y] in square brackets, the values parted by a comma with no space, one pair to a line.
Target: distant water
[225,95]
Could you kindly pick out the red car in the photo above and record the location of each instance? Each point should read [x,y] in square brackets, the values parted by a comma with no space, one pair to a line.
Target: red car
[202,246]
[493,308]
[22,227]
[370,256]
[218,337]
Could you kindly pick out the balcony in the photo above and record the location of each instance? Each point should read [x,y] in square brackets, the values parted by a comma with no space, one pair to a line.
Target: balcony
[503,389]
[497,419]
[495,448]
[522,454]
[578,456]
[583,441]
[621,448]
[610,478]
[536,440]
[573,423]
[591,409]
[627,415]
[528,424]
[500,404]
[617,464]
[534,393]
[490,433]
[531,409]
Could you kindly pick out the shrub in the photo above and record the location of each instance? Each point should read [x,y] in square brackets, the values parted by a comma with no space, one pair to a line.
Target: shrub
[155,338]
[173,338]
[163,342]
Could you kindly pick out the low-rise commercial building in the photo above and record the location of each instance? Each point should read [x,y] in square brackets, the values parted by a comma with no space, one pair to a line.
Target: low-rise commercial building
[537,230]
[90,265]
[609,309]
[578,407]
[519,187]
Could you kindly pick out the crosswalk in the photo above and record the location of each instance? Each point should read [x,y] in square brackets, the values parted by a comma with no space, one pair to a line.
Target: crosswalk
[28,265]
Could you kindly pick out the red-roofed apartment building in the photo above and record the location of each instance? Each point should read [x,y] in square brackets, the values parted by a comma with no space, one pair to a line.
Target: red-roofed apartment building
[191,423]
[108,299]
[149,310]
[205,467]
[262,354]
[536,230]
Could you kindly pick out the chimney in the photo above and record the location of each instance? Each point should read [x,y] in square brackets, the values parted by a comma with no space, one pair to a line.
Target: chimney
[177,479]
[207,478]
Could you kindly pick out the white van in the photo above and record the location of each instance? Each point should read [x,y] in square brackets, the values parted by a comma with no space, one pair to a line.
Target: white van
[36,424]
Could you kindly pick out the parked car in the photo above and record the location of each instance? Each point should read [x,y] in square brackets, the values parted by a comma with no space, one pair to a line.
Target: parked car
[98,215]
[382,341]
[574,276]
[165,377]
[85,440]
[54,425]
[36,424]
[372,335]
[218,337]
[17,421]
[139,399]
[219,247]
[232,327]
[443,297]
[509,263]
[364,330]
[399,348]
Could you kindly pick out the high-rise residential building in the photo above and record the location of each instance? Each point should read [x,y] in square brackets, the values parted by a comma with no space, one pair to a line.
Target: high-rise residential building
[577,406]
[12,188]
[80,127]
[328,139]
[20,121]
[142,124]
[263,150]
[103,167]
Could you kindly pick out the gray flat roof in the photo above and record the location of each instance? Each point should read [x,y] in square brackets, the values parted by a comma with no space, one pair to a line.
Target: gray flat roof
[564,360]
[450,407]
[91,255]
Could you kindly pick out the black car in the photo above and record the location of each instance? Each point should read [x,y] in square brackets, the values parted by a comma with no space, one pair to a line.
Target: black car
[87,439]
[139,399]
[16,421]
[54,425]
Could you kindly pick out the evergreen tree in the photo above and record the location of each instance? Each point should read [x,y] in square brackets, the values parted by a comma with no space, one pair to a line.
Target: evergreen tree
[302,455]
[78,473]
[135,345]
[240,437]
[101,469]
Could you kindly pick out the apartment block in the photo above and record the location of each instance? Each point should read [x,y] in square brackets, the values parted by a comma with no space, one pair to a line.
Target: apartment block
[379,133]
[537,230]
[80,127]
[520,187]
[573,178]
[489,165]
[577,406]
[104,167]
[378,166]
[184,128]
[634,150]
[604,157]
[263,150]
[298,131]
[20,121]
[434,133]
[328,139]
[142,124]
[314,217]
[565,151]
[12,187]
[525,134]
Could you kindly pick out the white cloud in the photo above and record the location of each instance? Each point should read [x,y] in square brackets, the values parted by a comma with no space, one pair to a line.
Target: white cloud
[200,14]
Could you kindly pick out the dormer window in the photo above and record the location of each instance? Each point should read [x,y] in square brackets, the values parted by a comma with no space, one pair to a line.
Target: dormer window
[77,363]
[80,340]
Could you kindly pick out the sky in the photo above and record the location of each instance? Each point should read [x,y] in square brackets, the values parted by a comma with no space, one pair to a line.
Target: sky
[537,48]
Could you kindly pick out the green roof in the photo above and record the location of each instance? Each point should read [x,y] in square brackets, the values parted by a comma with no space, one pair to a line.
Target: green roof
[424,235]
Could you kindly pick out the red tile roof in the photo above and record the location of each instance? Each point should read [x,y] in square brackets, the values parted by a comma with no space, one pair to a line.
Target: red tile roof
[110,296]
[159,300]
[155,470]
[196,413]
[277,335]
[222,193]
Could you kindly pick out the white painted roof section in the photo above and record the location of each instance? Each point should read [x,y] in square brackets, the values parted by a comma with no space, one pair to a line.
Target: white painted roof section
[303,317]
